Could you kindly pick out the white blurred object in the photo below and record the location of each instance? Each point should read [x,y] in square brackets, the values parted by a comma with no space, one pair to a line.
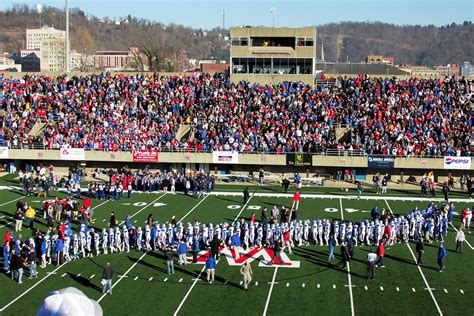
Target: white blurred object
[69,301]
[39,8]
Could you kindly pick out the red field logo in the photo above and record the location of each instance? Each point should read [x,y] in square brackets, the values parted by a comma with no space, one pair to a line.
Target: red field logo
[262,255]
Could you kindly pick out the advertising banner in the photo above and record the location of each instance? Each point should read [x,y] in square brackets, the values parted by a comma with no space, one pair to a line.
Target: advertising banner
[225,157]
[382,162]
[457,162]
[298,160]
[72,153]
[3,152]
[145,155]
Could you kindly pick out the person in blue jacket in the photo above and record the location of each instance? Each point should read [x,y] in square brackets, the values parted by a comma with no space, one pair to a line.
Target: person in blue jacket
[182,252]
[195,248]
[211,268]
[441,256]
[331,248]
[59,250]
[235,242]
[6,257]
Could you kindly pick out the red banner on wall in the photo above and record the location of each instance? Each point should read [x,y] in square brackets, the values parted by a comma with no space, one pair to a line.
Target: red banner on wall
[145,155]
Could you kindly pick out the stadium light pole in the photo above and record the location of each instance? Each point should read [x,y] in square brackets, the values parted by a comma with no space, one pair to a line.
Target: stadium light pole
[273,10]
[67,37]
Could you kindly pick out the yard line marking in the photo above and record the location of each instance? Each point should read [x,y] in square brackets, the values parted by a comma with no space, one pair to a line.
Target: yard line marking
[349,279]
[445,291]
[195,206]
[398,290]
[92,276]
[226,281]
[287,284]
[462,292]
[334,286]
[151,278]
[180,280]
[7,224]
[166,279]
[31,288]
[467,242]
[64,274]
[303,285]
[78,275]
[413,289]
[143,208]
[381,288]
[270,292]
[189,292]
[365,287]
[12,201]
[433,289]
[256,283]
[124,275]
[135,221]
[318,285]
[3,216]
[241,282]
[103,220]
[421,273]
[136,278]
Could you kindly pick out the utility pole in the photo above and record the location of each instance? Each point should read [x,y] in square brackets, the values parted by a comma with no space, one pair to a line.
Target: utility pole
[223,19]
[67,38]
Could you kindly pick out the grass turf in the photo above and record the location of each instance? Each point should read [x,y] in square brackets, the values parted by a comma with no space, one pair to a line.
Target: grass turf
[315,287]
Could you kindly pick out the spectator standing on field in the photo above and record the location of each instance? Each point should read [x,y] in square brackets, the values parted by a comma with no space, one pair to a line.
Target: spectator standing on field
[107,279]
[277,252]
[211,268]
[371,260]
[246,195]
[331,245]
[460,238]
[359,190]
[246,272]
[18,218]
[420,249]
[441,256]
[169,260]
[381,255]
[260,177]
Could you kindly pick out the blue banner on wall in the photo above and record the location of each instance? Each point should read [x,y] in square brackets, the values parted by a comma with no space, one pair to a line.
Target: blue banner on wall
[383,162]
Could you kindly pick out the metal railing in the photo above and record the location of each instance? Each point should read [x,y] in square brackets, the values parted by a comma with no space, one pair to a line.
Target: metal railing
[164,149]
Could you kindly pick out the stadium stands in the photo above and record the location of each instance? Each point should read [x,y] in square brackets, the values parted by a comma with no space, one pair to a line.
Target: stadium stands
[400,117]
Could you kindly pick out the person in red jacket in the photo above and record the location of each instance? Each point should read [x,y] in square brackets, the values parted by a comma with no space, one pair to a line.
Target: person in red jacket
[381,255]
[296,200]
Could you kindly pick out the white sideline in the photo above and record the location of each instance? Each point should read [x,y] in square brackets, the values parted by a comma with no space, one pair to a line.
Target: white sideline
[421,272]
[349,279]
[203,268]
[47,276]
[465,239]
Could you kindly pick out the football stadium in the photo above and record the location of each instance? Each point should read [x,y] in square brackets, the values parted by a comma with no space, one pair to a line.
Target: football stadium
[265,184]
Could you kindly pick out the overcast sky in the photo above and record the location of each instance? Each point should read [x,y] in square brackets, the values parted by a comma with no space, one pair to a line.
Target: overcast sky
[292,13]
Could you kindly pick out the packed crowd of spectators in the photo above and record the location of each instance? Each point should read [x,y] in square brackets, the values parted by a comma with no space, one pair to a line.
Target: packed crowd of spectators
[409,117]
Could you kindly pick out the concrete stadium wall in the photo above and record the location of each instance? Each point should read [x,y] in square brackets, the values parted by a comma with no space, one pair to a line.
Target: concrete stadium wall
[248,161]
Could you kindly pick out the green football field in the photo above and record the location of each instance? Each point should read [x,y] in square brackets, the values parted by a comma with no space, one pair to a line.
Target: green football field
[142,286]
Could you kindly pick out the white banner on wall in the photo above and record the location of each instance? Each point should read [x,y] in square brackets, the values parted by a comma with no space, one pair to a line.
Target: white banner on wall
[457,162]
[3,152]
[72,153]
[225,157]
